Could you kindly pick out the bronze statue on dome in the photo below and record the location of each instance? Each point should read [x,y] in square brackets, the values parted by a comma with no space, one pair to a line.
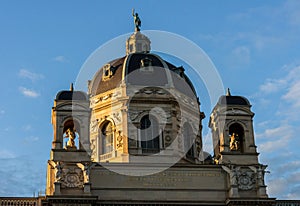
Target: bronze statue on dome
[137,20]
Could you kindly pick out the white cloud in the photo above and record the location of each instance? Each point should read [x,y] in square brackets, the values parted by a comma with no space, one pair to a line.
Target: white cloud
[286,187]
[60,59]
[31,139]
[281,131]
[289,83]
[277,138]
[29,92]
[277,186]
[242,54]
[23,73]
[291,9]
[293,94]
[274,145]
[272,85]
[4,154]
[289,166]
[27,127]
[20,179]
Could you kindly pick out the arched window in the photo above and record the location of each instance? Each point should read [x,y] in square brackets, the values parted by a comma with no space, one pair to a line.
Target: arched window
[107,138]
[189,138]
[149,134]
[236,135]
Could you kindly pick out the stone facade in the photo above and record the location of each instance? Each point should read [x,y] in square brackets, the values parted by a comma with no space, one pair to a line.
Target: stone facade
[139,134]
[114,165]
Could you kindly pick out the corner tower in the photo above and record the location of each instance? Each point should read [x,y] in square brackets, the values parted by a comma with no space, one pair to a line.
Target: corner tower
[69,162]
[231,123]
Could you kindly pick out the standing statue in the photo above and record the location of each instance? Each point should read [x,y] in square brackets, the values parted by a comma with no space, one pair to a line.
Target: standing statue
[234,142]
[233,172]
[86,173]
[137,20]
[58,172]
[70,133]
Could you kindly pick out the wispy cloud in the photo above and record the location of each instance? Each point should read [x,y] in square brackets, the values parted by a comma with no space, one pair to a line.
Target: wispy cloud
[240,56]
[293,94]
[278,134]
[291,10]
[289,83]
[4,154]
[281,131]
[60,59]
[289,166]
[28,92]
[31,139]
[18,179]
[27,127]
[23,73]
[272,85]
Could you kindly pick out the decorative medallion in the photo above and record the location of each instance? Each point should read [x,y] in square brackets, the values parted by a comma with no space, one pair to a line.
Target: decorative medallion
[72,178]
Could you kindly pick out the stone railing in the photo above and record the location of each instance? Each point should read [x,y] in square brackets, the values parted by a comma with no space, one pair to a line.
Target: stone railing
[107,155]
[19,201]
[287,203]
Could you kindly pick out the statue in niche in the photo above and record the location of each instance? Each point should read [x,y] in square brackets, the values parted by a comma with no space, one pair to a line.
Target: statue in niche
[137,20]
[234,142]
[70,133]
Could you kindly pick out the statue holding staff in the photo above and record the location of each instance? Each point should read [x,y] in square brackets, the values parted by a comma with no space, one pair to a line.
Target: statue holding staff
[137,20]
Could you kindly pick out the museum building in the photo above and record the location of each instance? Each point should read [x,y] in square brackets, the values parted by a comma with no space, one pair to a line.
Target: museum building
[135,138]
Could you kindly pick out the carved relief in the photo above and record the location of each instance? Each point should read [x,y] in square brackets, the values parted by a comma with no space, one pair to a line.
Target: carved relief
[119,140]
[104,98]
[246,180]
[86,171]
[260,172]
[117,117]
[94,125]
[58,172]
[134,114]
[93,148]
[72,178]
[198,145]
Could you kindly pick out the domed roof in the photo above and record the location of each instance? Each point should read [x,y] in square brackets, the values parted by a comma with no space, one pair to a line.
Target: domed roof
[140,68]
[71,95]
[143,69]
[233,100]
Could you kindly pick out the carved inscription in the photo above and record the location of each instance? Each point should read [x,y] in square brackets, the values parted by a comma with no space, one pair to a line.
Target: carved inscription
[165,179]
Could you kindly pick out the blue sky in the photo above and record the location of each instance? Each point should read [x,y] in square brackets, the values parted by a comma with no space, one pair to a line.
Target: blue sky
[43,44]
